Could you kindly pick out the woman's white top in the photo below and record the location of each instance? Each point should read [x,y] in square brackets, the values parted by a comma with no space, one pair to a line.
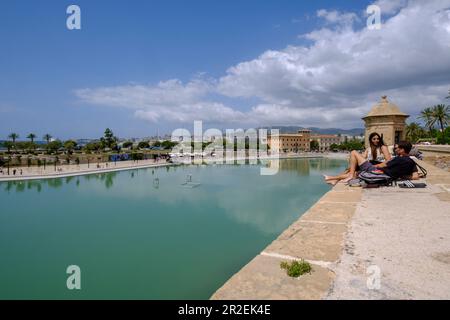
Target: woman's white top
[380,155]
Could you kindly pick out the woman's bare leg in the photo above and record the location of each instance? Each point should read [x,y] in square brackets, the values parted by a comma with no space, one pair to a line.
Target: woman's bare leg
[356,159]
[338,177]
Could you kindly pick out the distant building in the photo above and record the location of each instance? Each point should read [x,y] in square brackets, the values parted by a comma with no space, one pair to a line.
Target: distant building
[326,140]
[292,142]
[386,119]
[346,138]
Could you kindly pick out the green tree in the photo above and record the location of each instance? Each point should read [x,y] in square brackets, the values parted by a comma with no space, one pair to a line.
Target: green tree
[167,144]
[24,145]
[93,146]
[334,146]
[54,146]
[414,131]
[444,136]
[426,115]
[69,145]
[314,145]
[109,140]
[143,145]
[13,136]
[8,145]
[441,115]
[47,137]
[127,144]
[352,145]
[31,136]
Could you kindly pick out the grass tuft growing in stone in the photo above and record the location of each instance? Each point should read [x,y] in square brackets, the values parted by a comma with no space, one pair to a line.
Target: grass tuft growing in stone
[296,268]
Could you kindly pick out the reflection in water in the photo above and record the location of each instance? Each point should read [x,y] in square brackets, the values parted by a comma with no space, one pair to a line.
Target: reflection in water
[214,229]
[302,167]
[57,183]
[268,203]
[69,179]
[239,193]
[108,179]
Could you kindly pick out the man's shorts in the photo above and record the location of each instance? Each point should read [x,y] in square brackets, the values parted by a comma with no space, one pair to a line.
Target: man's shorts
[368,167]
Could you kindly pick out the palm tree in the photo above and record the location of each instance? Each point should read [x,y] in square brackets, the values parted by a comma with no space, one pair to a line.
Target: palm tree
[441,115]
[426,115]
[31,136]
[47,138]
[414,131]
[13,136]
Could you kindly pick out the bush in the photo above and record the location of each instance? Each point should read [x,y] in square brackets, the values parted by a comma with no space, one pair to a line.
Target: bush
[296,268]
[137,156]
[127,144]
[444,137]
[168,144]
[143,145]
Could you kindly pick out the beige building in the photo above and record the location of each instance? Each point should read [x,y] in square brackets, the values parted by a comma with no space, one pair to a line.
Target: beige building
[292,142]
[326,140]
[386,118]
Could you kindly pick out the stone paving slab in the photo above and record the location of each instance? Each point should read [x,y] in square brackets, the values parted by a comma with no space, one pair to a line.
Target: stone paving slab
[310,241]
[263,279]
[342,196]
[330,212]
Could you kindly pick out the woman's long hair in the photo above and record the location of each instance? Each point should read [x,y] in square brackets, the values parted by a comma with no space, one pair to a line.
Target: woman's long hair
[375,147]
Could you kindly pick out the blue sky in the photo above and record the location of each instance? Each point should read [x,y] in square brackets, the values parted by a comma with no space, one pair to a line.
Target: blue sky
[122,69]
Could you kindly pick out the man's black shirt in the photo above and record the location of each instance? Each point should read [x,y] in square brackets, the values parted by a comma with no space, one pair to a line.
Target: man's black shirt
[399,167]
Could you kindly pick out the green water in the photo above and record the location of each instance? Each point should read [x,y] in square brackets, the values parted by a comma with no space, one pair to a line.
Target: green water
[135,239]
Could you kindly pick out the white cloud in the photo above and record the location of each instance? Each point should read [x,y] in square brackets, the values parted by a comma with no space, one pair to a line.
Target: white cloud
[164,94]
[170,101]
[332,81]
[390,7]
[345,66]
[336,17]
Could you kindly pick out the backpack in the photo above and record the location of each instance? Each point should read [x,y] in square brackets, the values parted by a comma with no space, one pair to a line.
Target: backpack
[416,153]
[422,169]
[379,179]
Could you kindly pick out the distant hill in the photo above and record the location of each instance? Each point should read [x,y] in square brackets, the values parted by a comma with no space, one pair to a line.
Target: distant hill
[291,129]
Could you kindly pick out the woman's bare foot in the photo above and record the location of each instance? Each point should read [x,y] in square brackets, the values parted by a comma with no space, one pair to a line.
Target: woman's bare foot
[327,178]
[332,181]
[350,177]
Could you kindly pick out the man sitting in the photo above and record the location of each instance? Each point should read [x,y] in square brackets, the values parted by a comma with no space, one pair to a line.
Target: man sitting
[400,166]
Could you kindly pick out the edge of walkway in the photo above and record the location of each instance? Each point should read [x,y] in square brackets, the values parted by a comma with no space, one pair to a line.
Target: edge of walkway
[318,236]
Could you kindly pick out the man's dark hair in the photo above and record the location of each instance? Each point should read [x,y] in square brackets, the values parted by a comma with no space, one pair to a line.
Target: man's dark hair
[405,145]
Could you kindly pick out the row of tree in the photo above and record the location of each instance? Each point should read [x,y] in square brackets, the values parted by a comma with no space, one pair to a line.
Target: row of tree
[108,142]
[348,146]
[435,127]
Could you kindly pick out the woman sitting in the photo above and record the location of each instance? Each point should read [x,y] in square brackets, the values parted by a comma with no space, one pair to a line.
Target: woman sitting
[376,153]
